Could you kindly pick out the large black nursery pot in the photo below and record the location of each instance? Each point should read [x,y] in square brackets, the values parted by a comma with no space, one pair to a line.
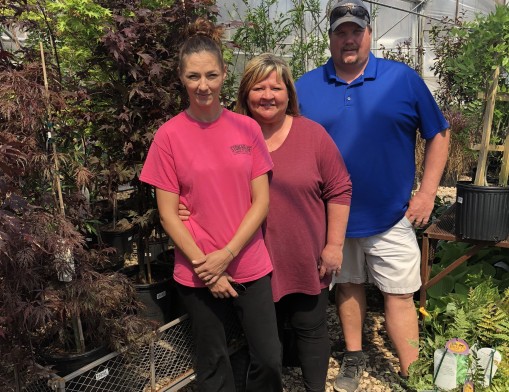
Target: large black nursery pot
[159,250]
[159,298]
[67,363]
[121,239]
[482,212]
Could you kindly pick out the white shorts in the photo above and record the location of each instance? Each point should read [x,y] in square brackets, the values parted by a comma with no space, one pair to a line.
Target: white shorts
[390,260]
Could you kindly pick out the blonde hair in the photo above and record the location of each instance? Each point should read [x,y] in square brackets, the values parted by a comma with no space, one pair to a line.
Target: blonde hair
[258,69]
[202,36]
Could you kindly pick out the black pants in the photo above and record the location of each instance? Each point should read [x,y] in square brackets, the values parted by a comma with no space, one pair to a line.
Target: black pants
[255,310]
[307,315]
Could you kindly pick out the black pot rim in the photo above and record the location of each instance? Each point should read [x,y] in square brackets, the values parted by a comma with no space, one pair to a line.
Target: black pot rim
[132,270]
[470,185]
[52,356]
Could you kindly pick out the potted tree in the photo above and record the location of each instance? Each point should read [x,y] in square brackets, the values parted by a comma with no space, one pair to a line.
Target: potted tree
[139,55]
[51,299]
[471,60]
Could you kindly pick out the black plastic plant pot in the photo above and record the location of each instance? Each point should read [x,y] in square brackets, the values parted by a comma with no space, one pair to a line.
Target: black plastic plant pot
[158,297]
[122,241]
[158,250]
[67,363]
[482,212]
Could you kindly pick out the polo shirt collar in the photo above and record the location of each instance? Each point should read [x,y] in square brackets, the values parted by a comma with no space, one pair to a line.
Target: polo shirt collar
[369,71]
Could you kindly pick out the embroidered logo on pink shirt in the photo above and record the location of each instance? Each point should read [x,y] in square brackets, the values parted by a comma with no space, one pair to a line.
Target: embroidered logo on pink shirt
[241,149]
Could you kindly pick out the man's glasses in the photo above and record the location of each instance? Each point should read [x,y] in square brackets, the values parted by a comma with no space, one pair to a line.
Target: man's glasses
[354,10]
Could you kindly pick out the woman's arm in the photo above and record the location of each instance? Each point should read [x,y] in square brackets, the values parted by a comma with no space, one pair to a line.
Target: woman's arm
[332,255]
[167,204]
[211,266]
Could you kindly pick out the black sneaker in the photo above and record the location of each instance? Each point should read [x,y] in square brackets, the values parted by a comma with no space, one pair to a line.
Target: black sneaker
[352,366]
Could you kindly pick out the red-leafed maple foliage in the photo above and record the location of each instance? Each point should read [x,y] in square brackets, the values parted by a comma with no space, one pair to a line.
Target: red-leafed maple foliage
[101,127]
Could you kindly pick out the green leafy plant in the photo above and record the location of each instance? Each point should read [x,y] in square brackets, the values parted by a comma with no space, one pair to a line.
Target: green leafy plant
[299,34]
[311,39]
[481,318]
[263,29]
[466,55]
[489,263]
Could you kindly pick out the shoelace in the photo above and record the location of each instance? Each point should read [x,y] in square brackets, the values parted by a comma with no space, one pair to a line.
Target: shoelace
[351,367]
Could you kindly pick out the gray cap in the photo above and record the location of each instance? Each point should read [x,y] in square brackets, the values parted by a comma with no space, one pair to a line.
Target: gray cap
[361,20]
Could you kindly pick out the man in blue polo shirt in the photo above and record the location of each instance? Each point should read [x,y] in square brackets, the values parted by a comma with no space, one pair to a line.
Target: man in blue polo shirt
[373,108]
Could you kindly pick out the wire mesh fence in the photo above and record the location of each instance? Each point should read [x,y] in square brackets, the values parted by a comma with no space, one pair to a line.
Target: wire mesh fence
[165,363]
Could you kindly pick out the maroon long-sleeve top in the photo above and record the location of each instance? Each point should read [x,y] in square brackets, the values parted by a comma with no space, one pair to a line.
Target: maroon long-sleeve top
[308,173]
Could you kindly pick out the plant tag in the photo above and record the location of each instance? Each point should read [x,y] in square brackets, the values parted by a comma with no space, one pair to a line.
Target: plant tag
[459,200]
[103,373]
[445,369]
[160,295]
[488,359]
[65,261]
[129,238]
[461,350]
[457,346]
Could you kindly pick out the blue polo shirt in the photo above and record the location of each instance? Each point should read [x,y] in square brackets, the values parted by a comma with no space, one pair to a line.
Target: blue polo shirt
[374,121]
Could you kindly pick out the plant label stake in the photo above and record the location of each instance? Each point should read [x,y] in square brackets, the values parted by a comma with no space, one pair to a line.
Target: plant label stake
[50,125]
[480,175]
[79,339]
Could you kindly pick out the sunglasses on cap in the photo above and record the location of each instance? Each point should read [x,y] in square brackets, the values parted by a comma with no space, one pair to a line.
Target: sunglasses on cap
[354,10]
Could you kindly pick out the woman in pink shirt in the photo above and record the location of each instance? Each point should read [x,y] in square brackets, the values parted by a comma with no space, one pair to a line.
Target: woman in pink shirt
[310,193]
[216,163]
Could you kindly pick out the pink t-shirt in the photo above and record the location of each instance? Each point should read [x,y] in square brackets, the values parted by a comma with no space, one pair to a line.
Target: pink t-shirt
[211,165]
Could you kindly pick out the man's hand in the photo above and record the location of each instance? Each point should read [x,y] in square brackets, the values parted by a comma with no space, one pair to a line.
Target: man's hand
[210,267]
[330,260]
[420,208]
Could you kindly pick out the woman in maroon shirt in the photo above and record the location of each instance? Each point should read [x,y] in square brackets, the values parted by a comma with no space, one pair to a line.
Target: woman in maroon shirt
[310,194]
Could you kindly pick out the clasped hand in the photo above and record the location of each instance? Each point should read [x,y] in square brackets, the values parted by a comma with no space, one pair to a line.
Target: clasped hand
[222,288]
[210,267]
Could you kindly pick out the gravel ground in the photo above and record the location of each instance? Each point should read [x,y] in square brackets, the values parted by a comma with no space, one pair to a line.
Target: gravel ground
[382,364]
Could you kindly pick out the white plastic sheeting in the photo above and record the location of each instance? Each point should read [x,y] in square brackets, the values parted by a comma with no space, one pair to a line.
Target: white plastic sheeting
[393,21]
[397,21]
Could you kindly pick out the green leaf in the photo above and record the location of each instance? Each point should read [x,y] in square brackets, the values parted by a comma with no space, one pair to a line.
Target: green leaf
[442,288]
[461,289]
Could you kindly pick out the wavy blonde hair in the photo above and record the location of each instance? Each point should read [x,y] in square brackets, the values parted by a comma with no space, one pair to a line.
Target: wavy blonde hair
[258,69]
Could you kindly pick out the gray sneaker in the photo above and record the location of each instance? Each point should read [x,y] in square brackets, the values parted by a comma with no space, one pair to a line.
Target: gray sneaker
[352,366]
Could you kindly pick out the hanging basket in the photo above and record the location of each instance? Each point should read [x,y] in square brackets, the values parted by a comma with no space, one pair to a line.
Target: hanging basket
[482,212]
